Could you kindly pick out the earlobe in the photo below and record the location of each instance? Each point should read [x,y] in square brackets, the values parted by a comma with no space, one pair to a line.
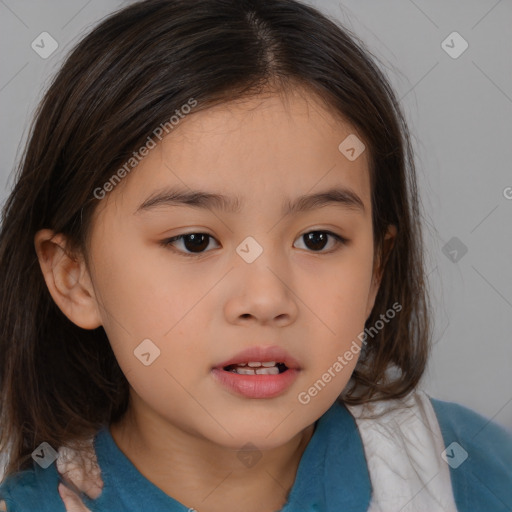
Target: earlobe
[67,279]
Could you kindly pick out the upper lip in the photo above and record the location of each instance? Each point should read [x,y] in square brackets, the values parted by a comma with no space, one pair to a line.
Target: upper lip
[262,354]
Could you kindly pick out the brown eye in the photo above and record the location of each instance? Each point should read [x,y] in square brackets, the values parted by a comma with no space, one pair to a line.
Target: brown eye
[317,240]
[194,243]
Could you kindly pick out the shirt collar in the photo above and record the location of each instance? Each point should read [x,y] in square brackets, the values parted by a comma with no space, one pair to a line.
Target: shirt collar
[332,474]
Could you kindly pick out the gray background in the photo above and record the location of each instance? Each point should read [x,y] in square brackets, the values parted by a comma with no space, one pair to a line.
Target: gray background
[460,115]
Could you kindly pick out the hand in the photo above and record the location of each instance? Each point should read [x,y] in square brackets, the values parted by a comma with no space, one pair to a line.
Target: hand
[71,501]
[79,470]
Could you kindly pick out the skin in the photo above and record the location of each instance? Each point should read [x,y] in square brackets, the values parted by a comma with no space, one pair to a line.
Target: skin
[202,310]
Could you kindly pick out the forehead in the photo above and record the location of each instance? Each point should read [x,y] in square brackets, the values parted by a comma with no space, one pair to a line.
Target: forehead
[259,150]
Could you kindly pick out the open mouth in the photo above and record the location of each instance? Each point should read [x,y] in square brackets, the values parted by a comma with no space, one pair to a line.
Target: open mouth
[258,372]
[257,368]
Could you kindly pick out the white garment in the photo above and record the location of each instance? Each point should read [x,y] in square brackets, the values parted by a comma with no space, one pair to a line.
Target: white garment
[403,447]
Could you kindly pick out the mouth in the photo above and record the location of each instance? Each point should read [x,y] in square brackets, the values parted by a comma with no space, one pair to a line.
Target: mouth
[257,368]
[262,360]
[258,372]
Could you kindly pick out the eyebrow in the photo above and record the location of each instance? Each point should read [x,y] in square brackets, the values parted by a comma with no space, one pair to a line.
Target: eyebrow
[169,197]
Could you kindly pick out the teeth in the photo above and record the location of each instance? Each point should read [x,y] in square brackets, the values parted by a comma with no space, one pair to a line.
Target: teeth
[244,371]
[268,371]
[257,368]
[257,371]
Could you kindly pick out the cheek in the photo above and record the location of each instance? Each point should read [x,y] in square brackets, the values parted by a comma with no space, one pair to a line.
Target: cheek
[339,295]
[338,304]
[144,296]
[144,290]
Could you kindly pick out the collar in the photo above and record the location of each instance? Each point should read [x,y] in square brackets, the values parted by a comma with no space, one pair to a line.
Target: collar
[332,474]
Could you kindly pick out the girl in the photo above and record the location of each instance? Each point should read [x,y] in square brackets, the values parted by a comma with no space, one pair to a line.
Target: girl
[223,302]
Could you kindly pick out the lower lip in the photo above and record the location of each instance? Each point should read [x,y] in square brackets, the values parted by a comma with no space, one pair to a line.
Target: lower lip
[256,386]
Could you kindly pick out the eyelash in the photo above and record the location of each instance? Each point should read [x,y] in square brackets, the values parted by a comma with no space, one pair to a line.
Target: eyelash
[168,243]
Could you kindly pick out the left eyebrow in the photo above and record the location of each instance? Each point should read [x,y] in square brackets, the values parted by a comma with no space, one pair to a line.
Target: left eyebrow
[176,196]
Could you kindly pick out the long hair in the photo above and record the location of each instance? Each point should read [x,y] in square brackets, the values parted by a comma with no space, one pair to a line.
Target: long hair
[60,383]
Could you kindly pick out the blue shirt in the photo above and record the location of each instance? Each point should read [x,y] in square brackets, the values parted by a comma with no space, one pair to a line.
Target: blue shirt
[332,474]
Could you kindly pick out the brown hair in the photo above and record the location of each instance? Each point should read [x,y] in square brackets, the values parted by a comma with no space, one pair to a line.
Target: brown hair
[60,383]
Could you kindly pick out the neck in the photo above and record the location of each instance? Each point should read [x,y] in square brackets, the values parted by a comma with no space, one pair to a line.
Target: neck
[203,475]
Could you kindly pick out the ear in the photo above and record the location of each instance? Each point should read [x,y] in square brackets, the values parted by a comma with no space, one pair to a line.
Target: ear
[380,264]
[67,279]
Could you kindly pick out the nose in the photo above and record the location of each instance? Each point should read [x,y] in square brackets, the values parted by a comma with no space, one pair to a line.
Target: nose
[262,293]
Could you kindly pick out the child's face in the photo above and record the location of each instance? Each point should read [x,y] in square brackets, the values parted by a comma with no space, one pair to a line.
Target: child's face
[308,297]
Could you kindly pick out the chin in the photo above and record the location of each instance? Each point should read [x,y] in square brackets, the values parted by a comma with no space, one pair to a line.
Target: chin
[268,435]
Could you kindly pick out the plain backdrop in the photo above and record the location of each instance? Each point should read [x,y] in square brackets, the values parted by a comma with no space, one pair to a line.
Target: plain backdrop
[459,109]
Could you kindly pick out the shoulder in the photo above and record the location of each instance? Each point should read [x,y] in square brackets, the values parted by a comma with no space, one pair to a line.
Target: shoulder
[479,453]
[32,489]
[488,441]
